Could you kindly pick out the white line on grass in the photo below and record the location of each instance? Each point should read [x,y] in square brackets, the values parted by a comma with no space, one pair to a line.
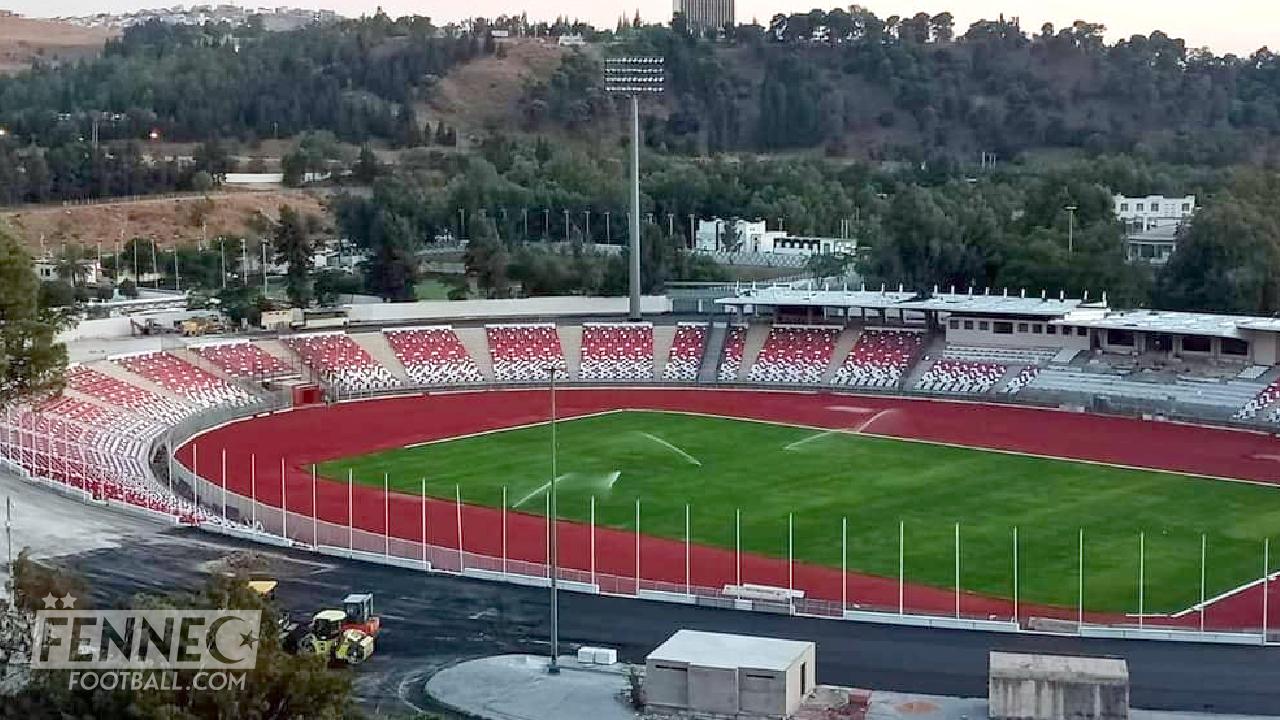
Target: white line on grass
[689,458]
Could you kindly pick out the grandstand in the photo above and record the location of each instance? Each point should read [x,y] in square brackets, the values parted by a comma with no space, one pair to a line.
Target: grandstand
[731,359]
[243,359]
[794,355]
[613,351]
[433,355]
[961,376]
[342,363]
[879,358]
[197,386]
[524,353]
[687,350]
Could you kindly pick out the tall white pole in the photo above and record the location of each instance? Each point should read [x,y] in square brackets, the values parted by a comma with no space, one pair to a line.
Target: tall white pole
[1203,552]
[253,490]
[284,503]
[423,496]
[224,485]
[1015,576]
[593,540]
[844,563]
[957,569]
[350,513]
[315,510]
[791,575]
[457,504]
[504,528]
[635,208]
[386,514]
[686,549]
[195,470]
[737,545]
[637,546]
[1080,587]
[1142,576]
[1266,584]
[902,537]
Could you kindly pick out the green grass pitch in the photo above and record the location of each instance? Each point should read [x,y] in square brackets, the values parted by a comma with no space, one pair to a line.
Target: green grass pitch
[767,470]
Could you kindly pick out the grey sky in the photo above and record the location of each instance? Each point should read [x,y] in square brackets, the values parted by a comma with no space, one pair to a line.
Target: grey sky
[1239,26]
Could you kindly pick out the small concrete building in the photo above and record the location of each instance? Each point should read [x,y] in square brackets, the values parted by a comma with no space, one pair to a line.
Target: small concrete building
[1057,687]
[735,676]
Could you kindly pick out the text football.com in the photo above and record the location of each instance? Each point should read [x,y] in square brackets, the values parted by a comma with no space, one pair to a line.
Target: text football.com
[167,649]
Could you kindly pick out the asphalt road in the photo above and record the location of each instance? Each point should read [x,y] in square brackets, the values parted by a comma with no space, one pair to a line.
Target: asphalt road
[431,621]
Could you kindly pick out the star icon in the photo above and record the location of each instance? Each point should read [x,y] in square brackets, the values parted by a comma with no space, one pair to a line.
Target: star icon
[50,602]
[248,639]
[68,601]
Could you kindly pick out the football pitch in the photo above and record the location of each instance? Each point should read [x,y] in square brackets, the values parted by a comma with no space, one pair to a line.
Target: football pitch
[772,473]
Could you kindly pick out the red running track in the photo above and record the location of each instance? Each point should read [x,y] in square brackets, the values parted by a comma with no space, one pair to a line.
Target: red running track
[317,434]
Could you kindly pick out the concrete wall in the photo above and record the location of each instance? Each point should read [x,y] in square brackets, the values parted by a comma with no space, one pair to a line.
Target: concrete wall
[112,327]
[666,684]
[713,690]
[1046,699]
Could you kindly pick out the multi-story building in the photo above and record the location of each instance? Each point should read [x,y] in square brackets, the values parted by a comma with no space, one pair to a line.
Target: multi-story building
[1152,223]
[706,14]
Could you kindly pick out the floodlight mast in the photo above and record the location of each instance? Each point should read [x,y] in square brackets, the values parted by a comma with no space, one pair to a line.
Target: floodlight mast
[634,76]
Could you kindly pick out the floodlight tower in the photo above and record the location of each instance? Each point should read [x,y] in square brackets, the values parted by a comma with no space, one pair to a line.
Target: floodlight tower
[634,76]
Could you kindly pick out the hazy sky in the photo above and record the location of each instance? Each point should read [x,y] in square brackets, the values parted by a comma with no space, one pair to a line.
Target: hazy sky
[1239,26]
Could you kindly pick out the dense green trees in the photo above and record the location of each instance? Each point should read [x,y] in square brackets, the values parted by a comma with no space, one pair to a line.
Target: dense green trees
[32,362]
[292,243]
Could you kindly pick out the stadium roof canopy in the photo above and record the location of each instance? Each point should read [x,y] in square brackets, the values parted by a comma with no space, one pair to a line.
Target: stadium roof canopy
[976,304]
[1174,323]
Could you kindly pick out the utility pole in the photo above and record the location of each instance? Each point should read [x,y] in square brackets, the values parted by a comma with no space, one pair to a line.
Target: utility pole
[546,224]
[608,239]
[692,236]
[566,225]
[222,260]
[586,224]
[1071,228]
[633,76]
[553,549]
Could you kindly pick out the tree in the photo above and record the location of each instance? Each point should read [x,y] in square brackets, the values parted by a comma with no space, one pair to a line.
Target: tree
[367,168]
[486,259]
[331,285]
[392,270]
[129,288]
[33,360]
[293,246]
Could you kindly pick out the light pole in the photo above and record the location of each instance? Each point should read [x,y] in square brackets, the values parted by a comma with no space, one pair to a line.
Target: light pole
[552,550]
[1071,228]
[634,76]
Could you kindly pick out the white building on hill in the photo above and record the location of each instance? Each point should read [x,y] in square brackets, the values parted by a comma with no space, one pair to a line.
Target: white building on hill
[753,236]
[1152,223]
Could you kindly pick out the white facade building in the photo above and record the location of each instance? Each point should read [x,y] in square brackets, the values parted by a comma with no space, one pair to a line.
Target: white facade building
[1152,223]
[755,237]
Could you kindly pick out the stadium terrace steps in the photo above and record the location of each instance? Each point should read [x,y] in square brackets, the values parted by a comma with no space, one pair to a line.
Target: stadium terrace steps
[277,349]
[118,372]
[709,370]
[844,344]
[477,345]
[192,357]
[571,347]
[663,336]
[757,334]
[375,343]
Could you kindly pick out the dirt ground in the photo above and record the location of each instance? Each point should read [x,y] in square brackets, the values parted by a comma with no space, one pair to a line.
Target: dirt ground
[23,39]
[168,220]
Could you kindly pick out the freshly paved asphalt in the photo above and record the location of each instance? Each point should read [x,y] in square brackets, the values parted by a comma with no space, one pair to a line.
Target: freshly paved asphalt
[433,621]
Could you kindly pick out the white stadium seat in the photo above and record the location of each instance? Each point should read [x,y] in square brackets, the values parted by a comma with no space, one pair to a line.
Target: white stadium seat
[617,351]
[795,355]
[433,356]
[687,348]
[879,358]
[523,353]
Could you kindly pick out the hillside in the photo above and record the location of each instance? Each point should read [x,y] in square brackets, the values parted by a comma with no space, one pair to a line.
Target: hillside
[23,40]
[168,220]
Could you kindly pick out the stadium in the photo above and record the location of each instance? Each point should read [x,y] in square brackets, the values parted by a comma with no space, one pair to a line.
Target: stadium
[975,459]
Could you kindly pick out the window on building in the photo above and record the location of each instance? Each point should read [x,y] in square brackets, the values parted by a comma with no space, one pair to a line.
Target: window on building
[955,324]
[1082,331]
[1124,207]
[968,324]
[1051,329]
[1123,338]
[1022,327]
[1235,346]
[1037,329]
[1196,344]
[984,325]
[1186,207]
[1138,207]
[1001,327]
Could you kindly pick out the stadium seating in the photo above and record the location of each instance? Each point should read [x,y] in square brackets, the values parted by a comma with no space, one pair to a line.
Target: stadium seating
[341,362]
[433,356]
[185,380]
[523,353]
[1259,402]
[1219,398]
[794,355]
[687,348]
[1022,379]
[879,358]
[735,343]
[1001,355]
[617,351]
[122,394]
[243,359]
[961,376]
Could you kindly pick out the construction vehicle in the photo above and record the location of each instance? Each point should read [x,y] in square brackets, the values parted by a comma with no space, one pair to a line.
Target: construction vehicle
[346,636]
[201,325]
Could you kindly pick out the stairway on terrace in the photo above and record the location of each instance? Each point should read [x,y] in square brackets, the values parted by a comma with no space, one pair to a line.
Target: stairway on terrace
[844,345]
[663,337]
[476,342]
[375,343]
[756,336]
[712,352]
[571,347]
